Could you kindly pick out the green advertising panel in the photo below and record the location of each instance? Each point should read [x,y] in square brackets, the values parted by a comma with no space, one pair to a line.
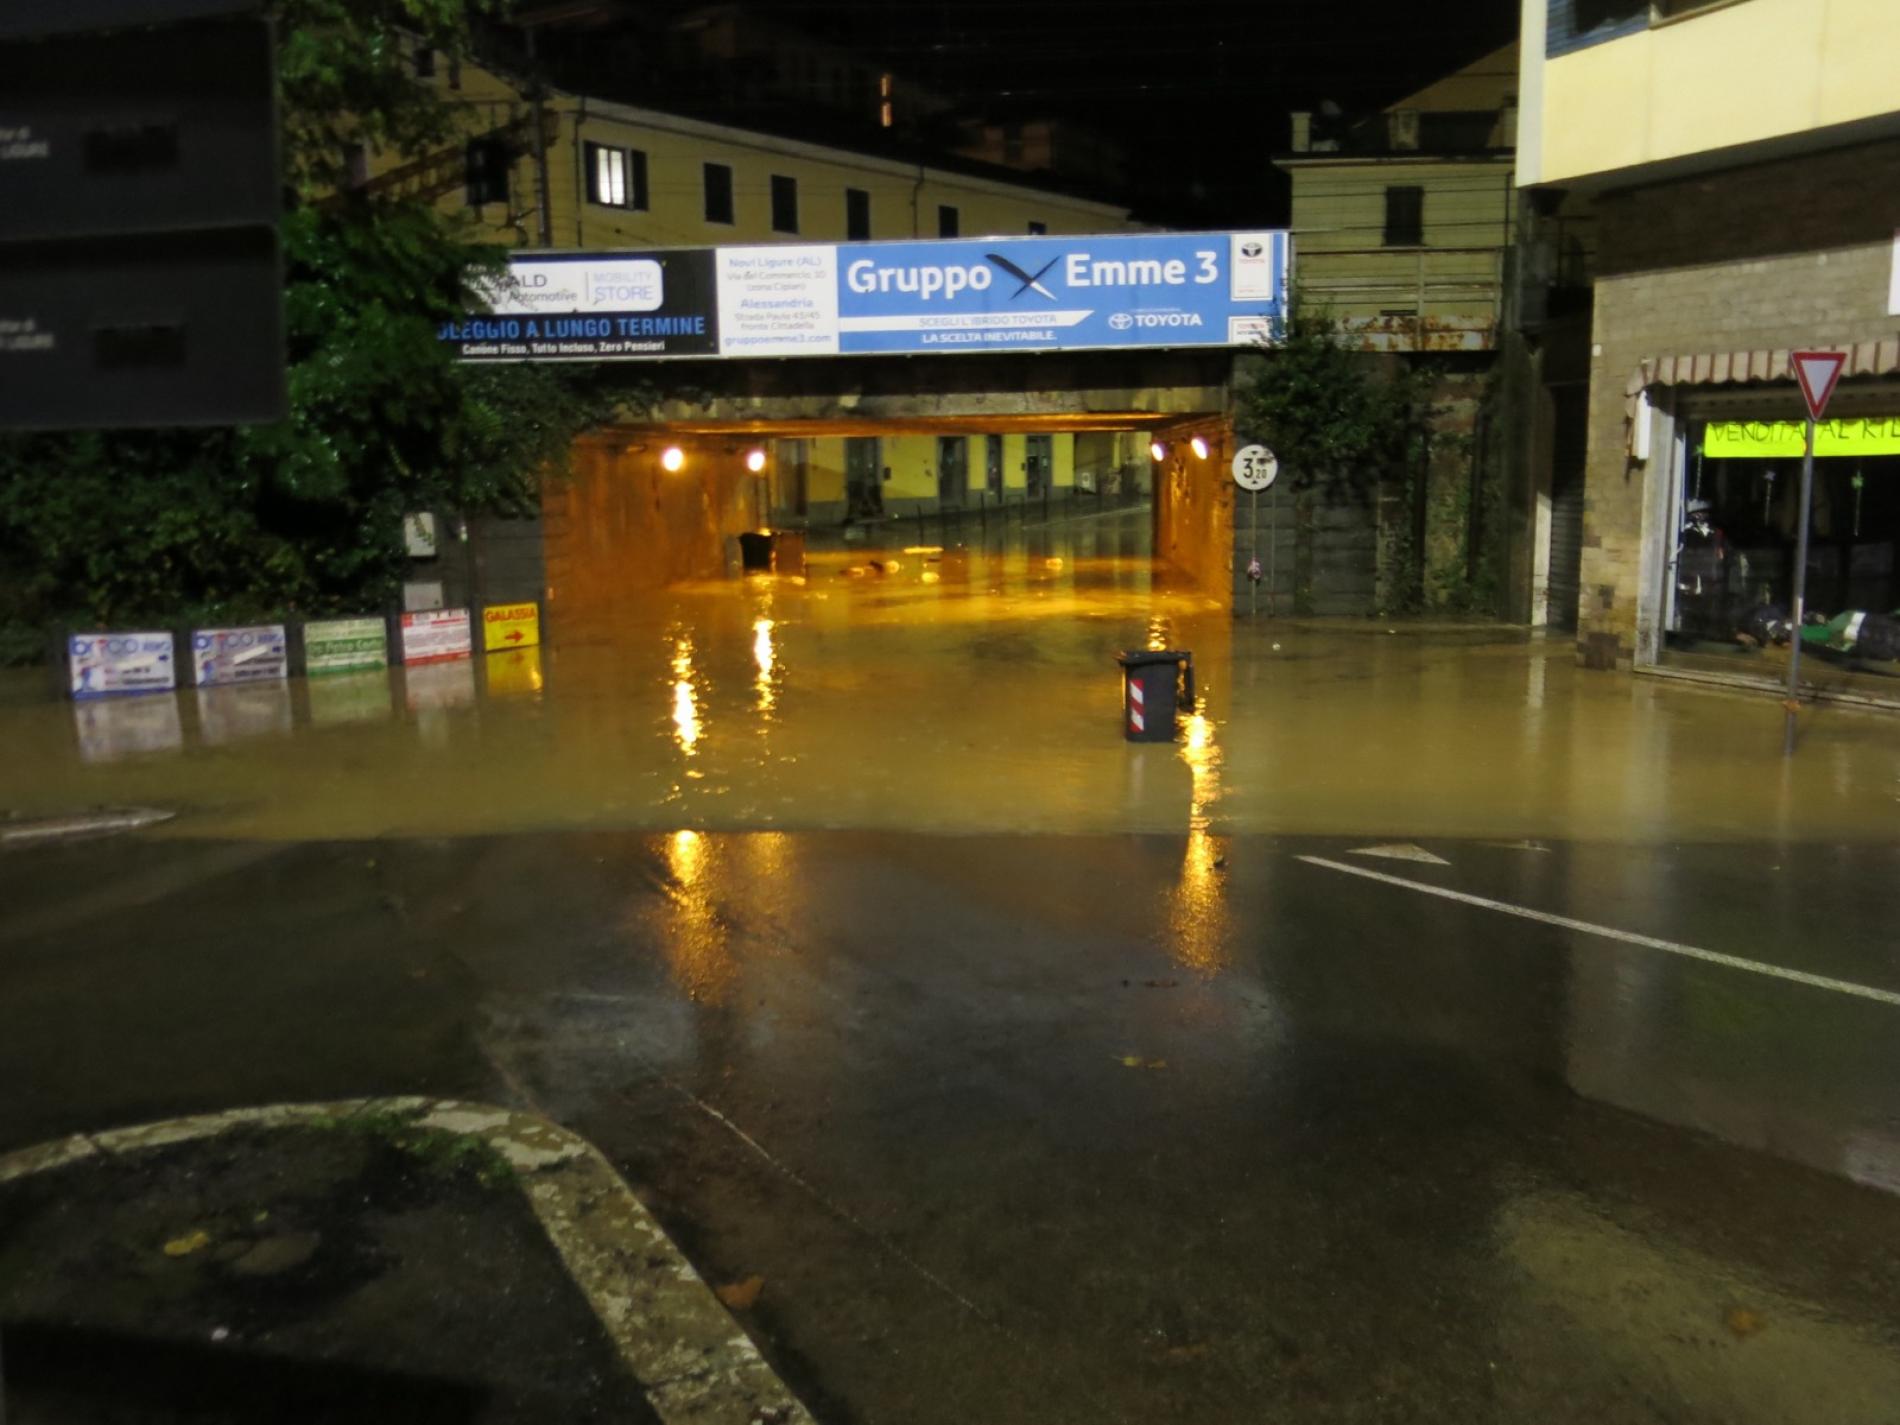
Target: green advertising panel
[339,645]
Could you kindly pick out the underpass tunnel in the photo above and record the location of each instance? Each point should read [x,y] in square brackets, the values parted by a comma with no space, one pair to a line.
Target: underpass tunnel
[649,507]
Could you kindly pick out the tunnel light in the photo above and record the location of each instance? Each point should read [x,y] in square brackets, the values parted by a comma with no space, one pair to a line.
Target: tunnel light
[1157,450]
[755,460]
[673,458]
[1199,447]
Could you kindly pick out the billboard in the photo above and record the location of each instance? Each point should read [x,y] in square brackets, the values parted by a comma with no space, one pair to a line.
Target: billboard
[1097,292]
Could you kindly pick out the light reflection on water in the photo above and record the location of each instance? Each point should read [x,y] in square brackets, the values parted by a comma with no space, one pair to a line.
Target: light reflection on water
[986,702]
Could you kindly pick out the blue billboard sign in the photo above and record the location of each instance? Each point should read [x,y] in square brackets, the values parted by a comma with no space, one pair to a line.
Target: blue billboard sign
[1062,293]
[1099,292]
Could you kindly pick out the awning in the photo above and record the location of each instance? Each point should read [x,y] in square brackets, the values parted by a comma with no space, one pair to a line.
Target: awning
[1717,368]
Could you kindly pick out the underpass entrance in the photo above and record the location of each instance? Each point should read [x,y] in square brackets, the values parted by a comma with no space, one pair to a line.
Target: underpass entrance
[863,454]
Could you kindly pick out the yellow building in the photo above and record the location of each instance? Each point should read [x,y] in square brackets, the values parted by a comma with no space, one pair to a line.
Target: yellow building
[1743,160]
[610,176]
[1402,221]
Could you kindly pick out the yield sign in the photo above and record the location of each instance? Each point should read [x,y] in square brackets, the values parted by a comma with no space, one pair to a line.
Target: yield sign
[1817,371]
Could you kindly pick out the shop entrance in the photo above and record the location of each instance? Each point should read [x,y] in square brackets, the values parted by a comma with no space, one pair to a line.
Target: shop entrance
[1729,534]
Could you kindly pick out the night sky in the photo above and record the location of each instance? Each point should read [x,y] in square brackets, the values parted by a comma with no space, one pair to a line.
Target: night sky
[1198,91]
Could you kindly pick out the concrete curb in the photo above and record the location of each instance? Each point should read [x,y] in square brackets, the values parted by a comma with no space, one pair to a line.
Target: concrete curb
[695,1364]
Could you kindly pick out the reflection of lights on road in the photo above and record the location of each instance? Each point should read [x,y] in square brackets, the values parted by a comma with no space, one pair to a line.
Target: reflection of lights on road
[1197,913]
[930,576]
[762,654]
[696,938]
[923,549]
[1157,633]
[685,703]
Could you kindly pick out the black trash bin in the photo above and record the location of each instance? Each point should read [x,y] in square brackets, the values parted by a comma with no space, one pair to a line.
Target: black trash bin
[1157,686]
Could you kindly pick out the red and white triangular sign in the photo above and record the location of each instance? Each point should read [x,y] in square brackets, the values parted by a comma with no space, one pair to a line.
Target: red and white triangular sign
[1817,371]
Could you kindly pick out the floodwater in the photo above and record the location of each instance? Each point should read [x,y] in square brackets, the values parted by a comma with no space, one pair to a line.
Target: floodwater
[965,690]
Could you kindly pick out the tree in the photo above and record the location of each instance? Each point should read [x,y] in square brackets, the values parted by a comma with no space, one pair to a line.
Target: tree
[1342,428]
[305,515]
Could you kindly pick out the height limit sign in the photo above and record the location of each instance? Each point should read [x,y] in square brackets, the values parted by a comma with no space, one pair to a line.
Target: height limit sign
[1255,467]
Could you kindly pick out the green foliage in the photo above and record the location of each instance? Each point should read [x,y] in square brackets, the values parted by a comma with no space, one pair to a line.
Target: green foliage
[305,515]
[1337,425]
[439,1150]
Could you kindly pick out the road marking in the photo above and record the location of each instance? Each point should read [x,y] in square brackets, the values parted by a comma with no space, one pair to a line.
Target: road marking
[1400,851]
[1671,947]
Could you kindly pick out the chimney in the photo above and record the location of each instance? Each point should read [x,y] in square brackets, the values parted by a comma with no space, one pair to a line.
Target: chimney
[1302,130]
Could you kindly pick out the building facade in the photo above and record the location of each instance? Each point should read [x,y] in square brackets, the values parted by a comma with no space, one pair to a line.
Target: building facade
[609,176]
[1411,233]
[1738,222]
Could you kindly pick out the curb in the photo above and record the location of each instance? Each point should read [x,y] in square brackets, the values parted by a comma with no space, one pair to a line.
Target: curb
[692,1360]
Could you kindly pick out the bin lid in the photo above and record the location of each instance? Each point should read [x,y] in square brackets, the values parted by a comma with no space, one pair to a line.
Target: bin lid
[1141,657]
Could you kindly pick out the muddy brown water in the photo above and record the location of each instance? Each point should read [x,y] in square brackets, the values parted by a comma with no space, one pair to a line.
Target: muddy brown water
[964,690]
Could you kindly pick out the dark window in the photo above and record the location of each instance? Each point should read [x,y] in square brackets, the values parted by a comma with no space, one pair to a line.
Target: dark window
[485,164]
[718,193]
[857,214]
[455,71]
[1573,24]
[1405,217]
[425,62]
[1037,229]
[784,204]
[946,220]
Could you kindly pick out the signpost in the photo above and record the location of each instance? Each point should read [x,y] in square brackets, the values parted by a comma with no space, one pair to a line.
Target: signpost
[101,664]
[506,626]
[434,635]
[1255,469]
[1818,372]
[239,655]
[340,645]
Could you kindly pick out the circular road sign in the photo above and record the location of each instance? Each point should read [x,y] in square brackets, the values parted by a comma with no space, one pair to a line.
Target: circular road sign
[1255,467]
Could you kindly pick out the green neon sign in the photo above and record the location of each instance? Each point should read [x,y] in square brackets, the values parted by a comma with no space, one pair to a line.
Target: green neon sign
[1762,440]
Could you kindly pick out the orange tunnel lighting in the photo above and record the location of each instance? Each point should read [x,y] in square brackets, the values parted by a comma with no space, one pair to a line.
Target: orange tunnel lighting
[673,458]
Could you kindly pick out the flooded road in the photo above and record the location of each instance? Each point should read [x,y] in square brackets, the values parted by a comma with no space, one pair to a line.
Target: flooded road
[1436,1032]
[964,690]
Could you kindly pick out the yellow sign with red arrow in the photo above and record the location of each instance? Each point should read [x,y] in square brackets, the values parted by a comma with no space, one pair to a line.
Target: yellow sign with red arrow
[507,626]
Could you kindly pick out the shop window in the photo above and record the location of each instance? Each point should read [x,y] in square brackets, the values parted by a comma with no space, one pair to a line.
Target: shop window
[1404,217]
[718,193]
[946,220]
[784,204]
[857,215]
[1730,544]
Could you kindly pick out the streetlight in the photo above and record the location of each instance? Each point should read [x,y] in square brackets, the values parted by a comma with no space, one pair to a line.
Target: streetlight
[755,460]
[1199,447]
[673,459]
[1157,450]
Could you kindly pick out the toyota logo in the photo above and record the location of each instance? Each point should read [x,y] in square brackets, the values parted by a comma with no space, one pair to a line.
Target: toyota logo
[1251,249]
[1121,321]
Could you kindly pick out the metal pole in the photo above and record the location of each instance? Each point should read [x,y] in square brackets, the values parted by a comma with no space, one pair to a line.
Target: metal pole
[1273,510]
[1800,590]
[1253,532]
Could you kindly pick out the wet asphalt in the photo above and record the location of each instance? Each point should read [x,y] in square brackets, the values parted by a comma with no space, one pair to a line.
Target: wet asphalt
[1041,1077]
[1067,1128]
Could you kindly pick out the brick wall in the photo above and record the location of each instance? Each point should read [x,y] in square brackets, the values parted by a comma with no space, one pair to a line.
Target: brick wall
[1776,255]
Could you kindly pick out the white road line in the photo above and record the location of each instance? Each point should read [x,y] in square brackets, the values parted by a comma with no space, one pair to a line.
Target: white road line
[1671,947]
